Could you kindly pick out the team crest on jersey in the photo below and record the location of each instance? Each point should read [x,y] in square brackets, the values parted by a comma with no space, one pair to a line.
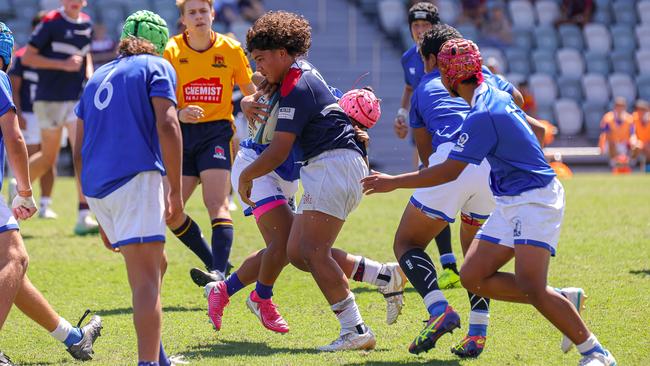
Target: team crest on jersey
[219,61]
[203,91]
[68,34]
[516,223]
[219,153]
[183,61]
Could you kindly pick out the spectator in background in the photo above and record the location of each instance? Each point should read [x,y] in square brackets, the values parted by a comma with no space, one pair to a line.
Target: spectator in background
[617,139]
[473,12]
[576,12]
[102,47]
[250,10]
[529,107]
[641,118]
[227,12]
[497,30]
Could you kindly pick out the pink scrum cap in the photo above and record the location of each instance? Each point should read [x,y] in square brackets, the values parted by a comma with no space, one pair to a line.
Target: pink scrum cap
[460,59]
[362,105]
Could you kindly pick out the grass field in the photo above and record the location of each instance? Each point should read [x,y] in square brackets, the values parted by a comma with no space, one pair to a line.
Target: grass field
[604,248]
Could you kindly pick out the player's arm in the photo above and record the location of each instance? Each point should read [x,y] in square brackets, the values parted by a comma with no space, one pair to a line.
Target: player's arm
[16,84]
[90,66]
[271,158]
[248,88]
[400,127]
[517,97]
[427,177]
[76,147]
[423,142]
[33,58]
[538,129]
[169,134]
[23,206]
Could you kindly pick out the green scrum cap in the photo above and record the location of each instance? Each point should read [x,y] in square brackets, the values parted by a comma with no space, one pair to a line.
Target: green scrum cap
[148,25]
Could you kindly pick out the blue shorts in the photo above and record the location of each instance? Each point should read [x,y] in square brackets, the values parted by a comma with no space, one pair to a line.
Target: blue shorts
[207,145]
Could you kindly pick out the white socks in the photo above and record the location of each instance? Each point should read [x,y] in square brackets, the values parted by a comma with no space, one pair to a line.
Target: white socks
[348,315]
[62,330]
[368,271]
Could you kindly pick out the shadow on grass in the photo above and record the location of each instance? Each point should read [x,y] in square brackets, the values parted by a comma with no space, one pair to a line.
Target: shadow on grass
[363,290]
[166,309]
[423,361]
[234,348]
[38,363]
[641,272]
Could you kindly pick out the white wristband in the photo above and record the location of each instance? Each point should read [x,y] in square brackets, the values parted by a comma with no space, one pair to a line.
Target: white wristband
[402,112]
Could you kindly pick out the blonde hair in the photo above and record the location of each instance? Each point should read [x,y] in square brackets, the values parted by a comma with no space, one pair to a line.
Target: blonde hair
[181,4]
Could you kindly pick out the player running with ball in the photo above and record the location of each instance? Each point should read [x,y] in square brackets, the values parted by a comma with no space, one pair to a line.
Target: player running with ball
[529,202]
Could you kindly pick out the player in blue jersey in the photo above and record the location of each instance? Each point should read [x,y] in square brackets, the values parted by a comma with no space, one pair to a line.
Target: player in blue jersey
[59,48]
[422,17]
[436,119]
[15,287]
[525,223]
[128,137]
[24,81]
[310,116]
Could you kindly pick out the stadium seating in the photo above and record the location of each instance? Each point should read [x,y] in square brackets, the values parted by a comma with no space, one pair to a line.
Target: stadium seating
[597,37]
[643,36]
[449,11]
[595,88]
[570,63]
[643,61]
[522,38]
[643,9]
[623,37]
[570,88]
[571,36]
[546,38]
[518,61]
[543,88]
[491,52]
[597,63]
[643,84]
[593,113]
[624,12]
[547,11]
[392,15]
[525,14]
[568,116]
[623,86]
[544,62]
[623,62]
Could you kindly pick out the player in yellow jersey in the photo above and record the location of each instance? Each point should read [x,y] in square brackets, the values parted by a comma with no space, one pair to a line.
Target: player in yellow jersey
[208,65]
[641,118]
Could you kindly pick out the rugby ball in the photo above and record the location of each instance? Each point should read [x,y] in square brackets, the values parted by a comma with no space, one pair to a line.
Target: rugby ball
[263,132]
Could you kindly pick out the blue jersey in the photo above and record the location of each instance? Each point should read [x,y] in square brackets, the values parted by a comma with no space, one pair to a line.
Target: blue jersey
[29,77]
[496,129]
[120,136]
[59,37]
[413,67]
[308,109]
[441,114]
[6,104]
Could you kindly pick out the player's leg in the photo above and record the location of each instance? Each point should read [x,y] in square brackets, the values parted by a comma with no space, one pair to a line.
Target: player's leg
[448,277]
[414,233]
[32,135]
[216,187]
[13,265]
[44,160]
[143,264]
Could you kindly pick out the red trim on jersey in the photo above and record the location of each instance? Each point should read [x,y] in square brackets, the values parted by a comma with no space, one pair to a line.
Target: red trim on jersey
[290,81]
[85,17]
[52,15]
[20,52]
[213,39]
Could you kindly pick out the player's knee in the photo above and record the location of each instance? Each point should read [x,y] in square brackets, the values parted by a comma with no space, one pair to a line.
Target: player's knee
[531,286]
[312,254]
[470,278]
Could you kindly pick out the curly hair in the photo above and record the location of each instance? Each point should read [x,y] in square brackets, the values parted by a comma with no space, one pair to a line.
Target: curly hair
[132,46]
[280,29]
[433,39]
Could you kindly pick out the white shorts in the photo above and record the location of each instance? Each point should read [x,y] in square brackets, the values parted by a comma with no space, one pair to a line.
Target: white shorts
[331,182]
[7,220]
[269,191]
[54,114]
[470,193]
[32,133]
[134,213]
[532,218]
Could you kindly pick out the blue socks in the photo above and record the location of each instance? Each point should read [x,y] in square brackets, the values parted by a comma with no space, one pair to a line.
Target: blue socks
[222,236]
[190,234]
[74,337]
[437,308]
[263,291]
[233,284]
[148,363]
[477,330]
[163,360]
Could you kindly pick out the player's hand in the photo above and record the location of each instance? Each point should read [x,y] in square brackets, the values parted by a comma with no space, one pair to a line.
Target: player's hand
[400,127]
[173,208]
[73,63]
[107,243]
[23,207]
[22,122]
[245,189]
[378,183]
[267,88]
[361,135]
[191,114]
[255,112]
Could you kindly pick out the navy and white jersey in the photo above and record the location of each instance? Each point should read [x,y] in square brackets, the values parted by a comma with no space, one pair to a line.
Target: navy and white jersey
[59,37]
[496,129]
[120,136]
[289,170]
[30,80]
[6,104]
[308,109]
[413,67]
[442,115]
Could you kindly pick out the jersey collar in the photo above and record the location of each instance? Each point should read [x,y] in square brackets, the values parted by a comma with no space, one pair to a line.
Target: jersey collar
[66,17]
[213,40]
[482,88]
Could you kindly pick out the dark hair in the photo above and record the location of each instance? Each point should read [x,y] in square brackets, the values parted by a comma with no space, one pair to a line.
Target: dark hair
[434,38]
[471,80]
[38,17]
[280,29]
[131,46]
[424,11]
[369,88]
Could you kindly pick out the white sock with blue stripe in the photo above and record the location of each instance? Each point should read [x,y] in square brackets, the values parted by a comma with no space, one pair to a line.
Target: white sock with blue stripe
[590,346]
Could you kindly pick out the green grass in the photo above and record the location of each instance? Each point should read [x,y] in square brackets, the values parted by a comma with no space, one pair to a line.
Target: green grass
[604,248]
